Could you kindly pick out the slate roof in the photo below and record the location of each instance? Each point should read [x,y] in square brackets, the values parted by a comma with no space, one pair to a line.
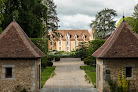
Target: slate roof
[14,43]
[79,33]
[121,44]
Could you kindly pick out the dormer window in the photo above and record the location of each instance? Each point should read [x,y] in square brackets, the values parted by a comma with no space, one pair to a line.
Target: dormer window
[60,37]
[83,37]
[68,36]
[51,37]
[75,37]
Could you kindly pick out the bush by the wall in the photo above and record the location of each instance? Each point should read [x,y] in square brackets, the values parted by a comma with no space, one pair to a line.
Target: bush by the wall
[43,63]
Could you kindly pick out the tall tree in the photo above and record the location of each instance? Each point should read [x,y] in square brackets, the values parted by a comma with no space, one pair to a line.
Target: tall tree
[51,19]
[1,15]
[30,14]
[103,23]
[135,15]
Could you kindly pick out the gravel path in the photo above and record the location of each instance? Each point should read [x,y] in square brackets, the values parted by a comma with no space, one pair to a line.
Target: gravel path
[69,78]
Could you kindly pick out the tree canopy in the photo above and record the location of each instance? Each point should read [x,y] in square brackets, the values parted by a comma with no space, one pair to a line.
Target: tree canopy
[129,20]
[135,15]
[32,15]
[132,21]
[103,23]
[1,15]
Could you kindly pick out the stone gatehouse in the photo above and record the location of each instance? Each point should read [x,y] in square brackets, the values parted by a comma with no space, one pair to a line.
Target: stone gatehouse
[119,51]
[20,61]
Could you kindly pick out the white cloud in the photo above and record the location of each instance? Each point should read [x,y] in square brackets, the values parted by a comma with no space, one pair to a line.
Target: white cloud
[77,14]
[77,21]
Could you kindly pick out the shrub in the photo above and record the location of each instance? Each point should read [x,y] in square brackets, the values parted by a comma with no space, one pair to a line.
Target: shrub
[122,85]
[81,50]
[49,63]
[86,61]
[82,58]
[57,58]
[50,57]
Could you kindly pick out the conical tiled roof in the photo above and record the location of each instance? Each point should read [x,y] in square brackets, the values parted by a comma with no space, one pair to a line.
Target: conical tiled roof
[121,44]
[14,43]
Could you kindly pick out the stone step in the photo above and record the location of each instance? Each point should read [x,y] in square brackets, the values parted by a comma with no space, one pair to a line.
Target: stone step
[68,90]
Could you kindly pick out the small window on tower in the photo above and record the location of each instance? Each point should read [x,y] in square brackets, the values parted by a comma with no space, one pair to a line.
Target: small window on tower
[128,71]
[8,72]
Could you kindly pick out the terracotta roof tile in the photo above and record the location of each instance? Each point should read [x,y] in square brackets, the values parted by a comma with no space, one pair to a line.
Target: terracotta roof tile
[14,43]
[72,33]
[121,44]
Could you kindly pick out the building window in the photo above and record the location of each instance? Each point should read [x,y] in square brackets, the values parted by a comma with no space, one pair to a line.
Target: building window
[75,42]
[67,42]
[59,42]
[67,48]
[128,71]
[60,48]
[50,43]
[8,72]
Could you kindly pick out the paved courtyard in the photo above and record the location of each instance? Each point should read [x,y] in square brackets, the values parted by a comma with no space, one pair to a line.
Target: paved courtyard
[69,78]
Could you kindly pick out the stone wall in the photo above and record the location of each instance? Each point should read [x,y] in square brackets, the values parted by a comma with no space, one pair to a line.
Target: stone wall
[24,73]
[114,66]
[99,75]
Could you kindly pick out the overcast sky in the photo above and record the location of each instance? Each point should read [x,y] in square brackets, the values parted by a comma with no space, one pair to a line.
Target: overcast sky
[77,14]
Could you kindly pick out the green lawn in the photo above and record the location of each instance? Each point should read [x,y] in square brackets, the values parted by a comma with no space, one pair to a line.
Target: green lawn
[90,72]
[46,73]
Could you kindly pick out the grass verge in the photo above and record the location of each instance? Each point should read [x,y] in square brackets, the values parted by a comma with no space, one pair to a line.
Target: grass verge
[46,74]
[90,74]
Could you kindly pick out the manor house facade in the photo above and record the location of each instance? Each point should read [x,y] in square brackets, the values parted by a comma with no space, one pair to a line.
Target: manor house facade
[68,40]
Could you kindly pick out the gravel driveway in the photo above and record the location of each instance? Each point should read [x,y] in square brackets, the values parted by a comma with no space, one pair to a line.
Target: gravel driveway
[69,78]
